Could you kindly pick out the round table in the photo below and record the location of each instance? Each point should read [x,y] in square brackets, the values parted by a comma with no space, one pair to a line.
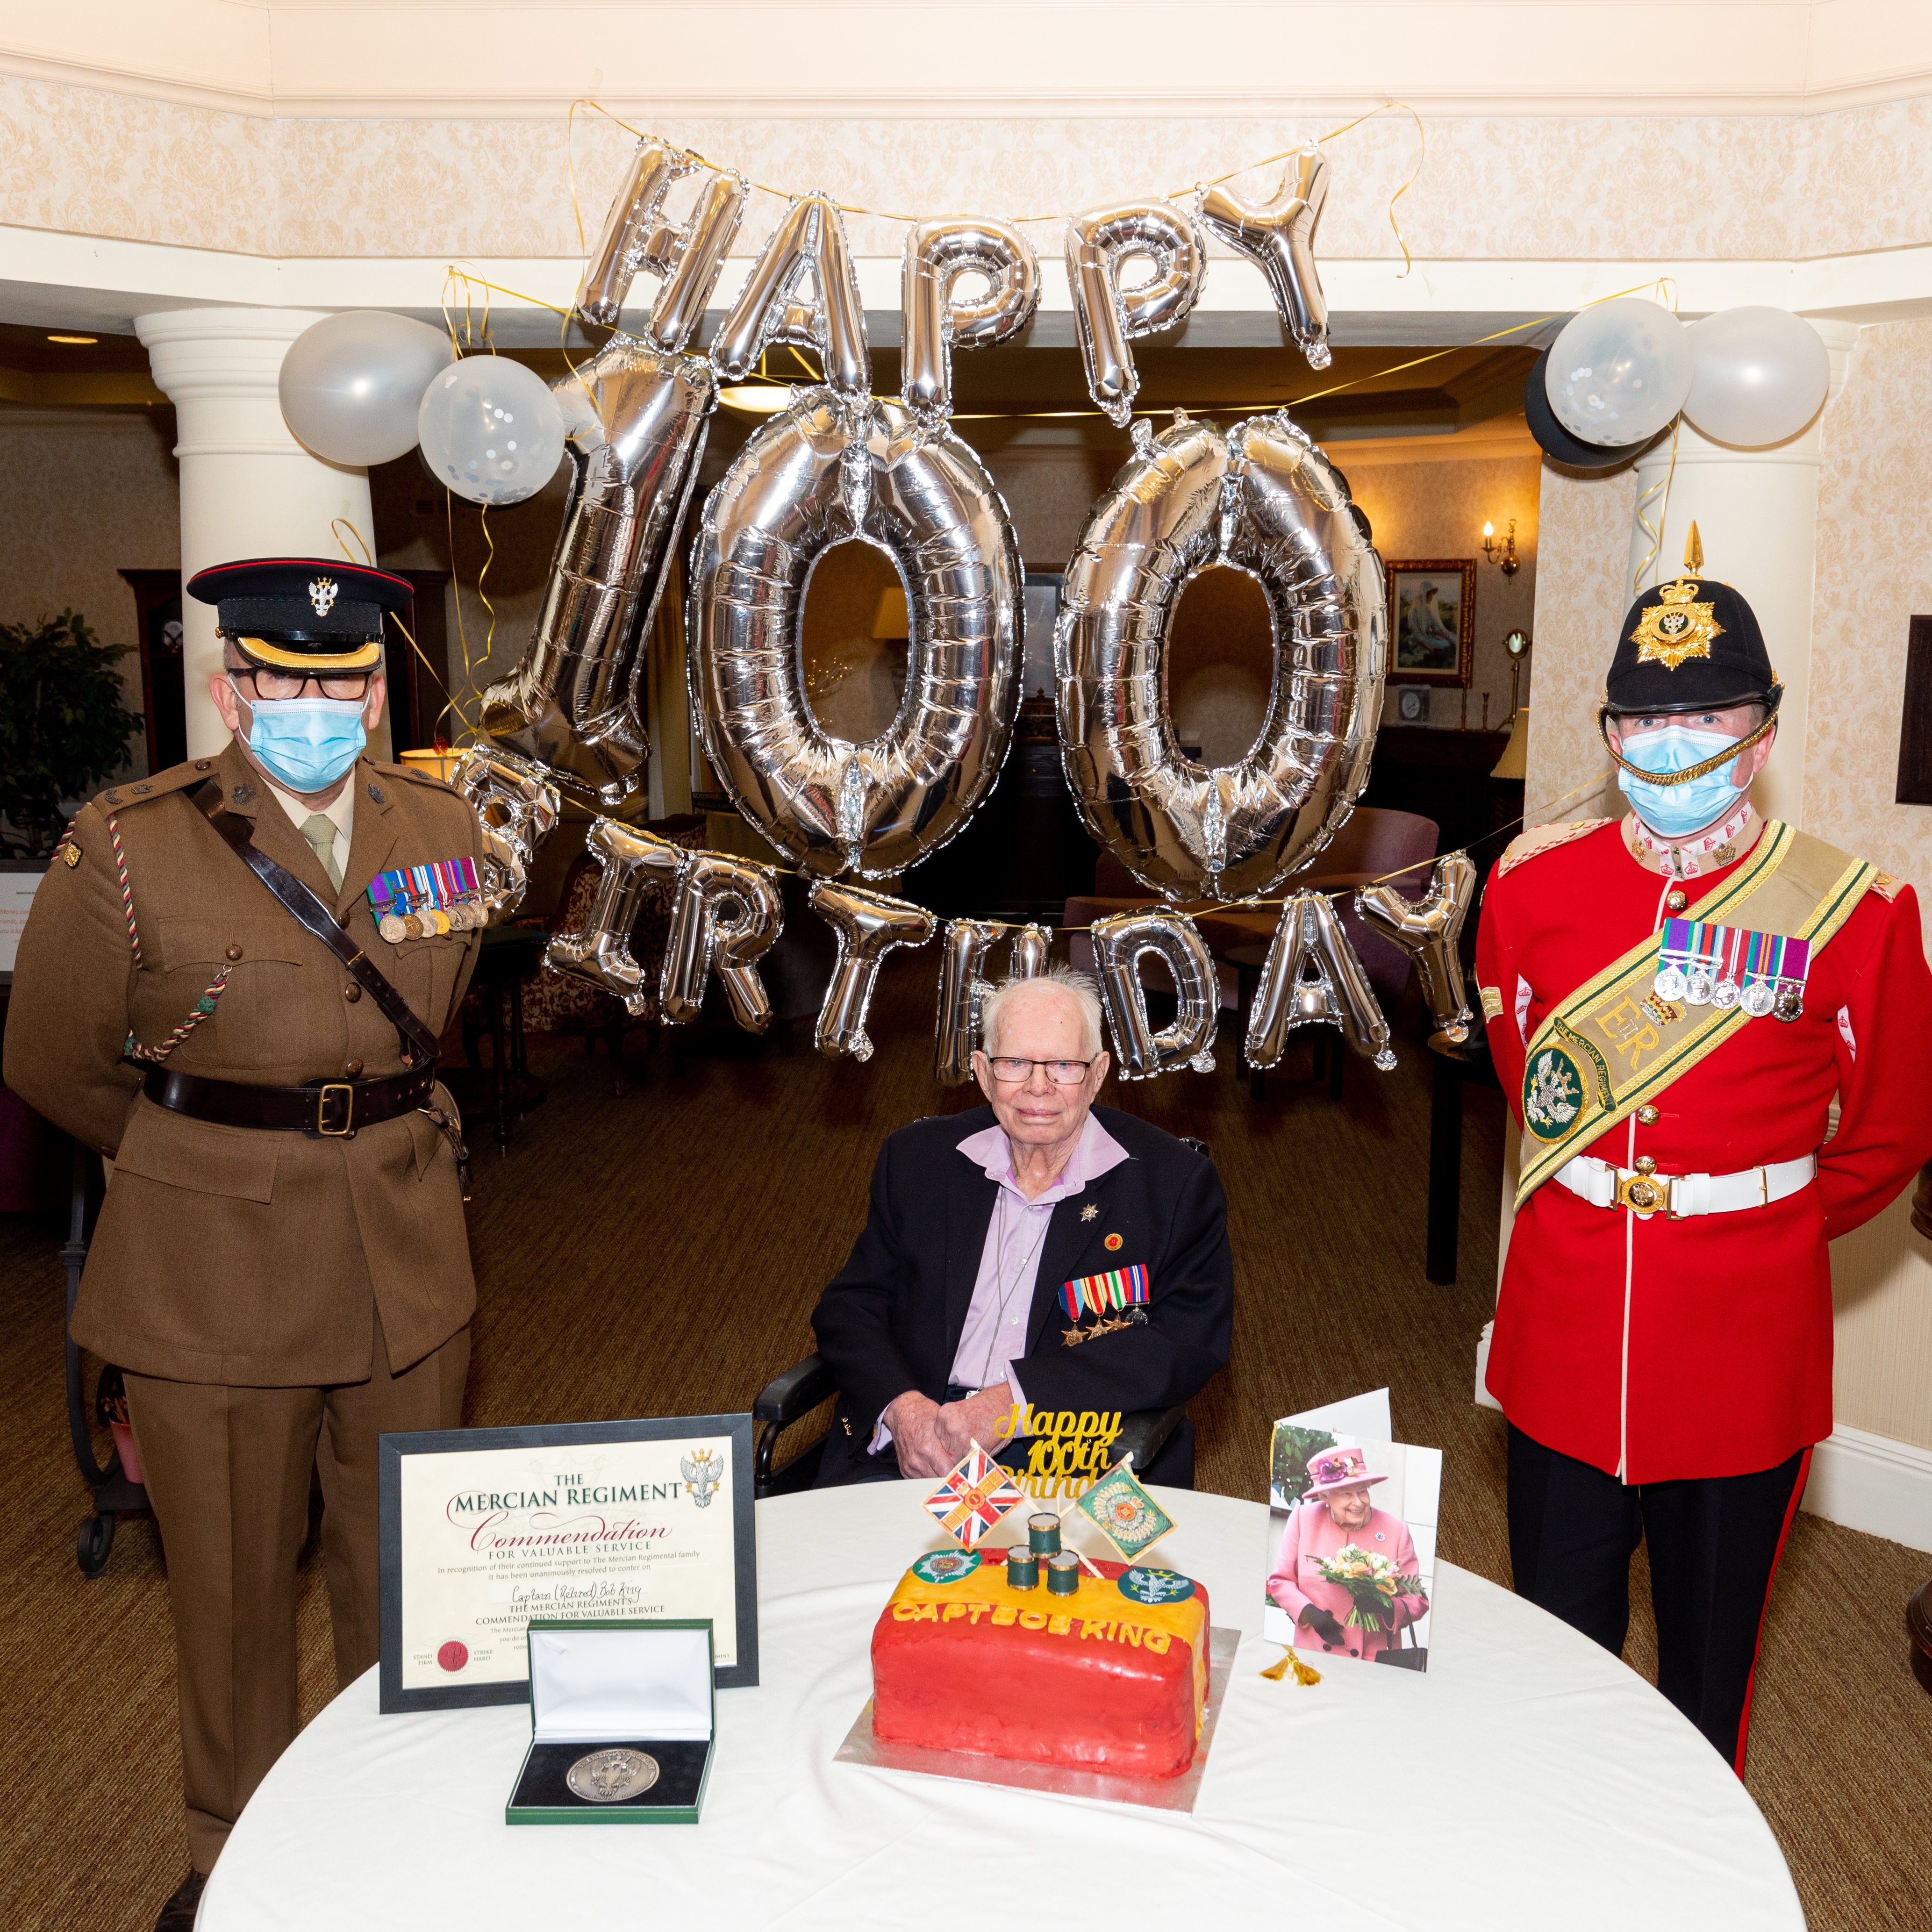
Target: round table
[1527,1780]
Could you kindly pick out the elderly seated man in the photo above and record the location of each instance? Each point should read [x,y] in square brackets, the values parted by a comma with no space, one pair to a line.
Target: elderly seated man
[950,1311]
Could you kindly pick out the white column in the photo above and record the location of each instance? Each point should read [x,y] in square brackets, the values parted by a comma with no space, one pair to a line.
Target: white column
[1756,511]
[247,487]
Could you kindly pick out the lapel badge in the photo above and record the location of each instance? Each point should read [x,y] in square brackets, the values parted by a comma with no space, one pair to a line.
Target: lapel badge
[1112,1244]
[1090,1212]
[321,594]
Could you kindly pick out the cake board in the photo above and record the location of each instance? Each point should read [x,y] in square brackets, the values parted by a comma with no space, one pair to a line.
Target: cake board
[1158,1794]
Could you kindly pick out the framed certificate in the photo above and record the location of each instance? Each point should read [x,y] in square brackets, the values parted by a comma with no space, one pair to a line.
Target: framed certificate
[483,1529]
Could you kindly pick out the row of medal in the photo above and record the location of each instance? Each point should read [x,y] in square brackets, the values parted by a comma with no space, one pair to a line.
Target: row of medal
[426,901]
[1725,966]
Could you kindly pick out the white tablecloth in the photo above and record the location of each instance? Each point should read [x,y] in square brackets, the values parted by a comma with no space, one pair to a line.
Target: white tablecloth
[1527,1780]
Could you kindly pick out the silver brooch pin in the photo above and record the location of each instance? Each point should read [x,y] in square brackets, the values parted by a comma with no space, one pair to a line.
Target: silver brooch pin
[322,594]
[1090,1212]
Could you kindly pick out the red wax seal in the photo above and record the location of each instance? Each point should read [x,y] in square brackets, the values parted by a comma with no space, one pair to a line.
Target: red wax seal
[453,1656]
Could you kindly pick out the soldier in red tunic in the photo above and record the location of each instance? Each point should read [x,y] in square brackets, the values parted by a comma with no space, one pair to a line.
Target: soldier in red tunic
[1675,1001]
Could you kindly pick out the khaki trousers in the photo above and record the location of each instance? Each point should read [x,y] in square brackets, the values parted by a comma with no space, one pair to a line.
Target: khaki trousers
[227,1472]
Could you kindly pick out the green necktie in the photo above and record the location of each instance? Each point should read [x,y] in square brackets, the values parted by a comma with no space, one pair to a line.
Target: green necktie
[318,828]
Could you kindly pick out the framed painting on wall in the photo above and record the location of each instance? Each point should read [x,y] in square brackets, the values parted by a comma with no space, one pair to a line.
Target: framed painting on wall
[1432,621]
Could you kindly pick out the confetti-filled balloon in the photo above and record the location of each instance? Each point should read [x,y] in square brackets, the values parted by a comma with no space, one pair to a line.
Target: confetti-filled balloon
[490,430]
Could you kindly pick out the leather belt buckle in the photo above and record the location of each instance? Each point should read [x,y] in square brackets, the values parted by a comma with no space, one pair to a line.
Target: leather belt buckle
[1643,1194]
[322,1129]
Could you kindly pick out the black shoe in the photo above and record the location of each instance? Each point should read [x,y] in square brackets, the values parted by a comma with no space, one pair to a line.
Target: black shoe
[178,1914]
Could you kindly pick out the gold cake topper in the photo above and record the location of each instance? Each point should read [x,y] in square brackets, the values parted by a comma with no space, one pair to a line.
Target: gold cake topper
[1676,629]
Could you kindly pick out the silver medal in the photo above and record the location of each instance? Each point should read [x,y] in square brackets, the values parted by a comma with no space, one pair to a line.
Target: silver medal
[608,1776]
[1790,999]
[1725,994]
[1759,999]
[1670,983]
[1701,985]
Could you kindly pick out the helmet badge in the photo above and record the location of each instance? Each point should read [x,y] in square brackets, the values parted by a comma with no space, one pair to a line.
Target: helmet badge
[1676,628]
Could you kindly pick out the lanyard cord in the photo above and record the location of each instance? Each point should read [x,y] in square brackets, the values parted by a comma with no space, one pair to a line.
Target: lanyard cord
[1030,1261]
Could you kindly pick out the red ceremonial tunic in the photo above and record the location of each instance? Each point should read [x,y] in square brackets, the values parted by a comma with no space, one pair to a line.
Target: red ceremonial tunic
[1655,1348]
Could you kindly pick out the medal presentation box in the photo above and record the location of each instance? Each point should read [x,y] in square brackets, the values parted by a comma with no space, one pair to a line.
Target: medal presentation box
[637,1686]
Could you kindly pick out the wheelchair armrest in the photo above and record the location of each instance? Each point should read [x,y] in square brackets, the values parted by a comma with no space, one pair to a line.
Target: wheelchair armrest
[1144,1432]
[797,1392]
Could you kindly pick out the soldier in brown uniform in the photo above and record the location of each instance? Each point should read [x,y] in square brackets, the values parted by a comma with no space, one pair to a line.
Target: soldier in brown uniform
[280,1264]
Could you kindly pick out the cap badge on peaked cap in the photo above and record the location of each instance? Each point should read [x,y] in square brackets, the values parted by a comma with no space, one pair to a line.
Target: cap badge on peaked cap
[1677,627]
[321,592]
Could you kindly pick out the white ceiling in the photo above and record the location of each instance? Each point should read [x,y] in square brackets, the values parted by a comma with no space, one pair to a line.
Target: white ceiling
[893,58]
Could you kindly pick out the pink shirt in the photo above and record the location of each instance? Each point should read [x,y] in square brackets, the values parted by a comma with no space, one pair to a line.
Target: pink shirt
[997,1316]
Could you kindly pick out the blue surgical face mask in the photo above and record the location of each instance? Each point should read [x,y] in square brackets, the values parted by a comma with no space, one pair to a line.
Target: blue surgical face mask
[1675,812]
[307,743]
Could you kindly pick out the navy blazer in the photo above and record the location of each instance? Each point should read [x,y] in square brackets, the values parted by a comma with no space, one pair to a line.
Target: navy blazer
[891,1319]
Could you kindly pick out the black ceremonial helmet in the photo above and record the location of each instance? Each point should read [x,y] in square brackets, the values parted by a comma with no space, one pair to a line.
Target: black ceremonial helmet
[302,613]
[1692,645]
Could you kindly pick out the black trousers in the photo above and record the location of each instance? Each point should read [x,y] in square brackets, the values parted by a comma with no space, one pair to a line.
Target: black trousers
[1714,1541]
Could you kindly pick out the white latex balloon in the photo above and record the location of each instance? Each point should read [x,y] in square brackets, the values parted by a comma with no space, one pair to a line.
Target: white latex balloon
[1758,375]
[351,384]
[490,430]
[1619,371]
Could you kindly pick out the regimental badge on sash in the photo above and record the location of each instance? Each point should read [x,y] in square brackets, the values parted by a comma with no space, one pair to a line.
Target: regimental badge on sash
[1727,966]
[1123,1291]
[424,902]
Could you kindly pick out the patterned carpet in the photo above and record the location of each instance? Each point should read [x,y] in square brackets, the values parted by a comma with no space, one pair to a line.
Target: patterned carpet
[660,1253]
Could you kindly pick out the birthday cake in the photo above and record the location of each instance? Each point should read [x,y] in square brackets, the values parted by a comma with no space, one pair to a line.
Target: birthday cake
[1015,1654]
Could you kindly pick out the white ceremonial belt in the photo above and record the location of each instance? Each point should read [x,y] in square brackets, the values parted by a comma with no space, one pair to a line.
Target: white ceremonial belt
[1681,1196]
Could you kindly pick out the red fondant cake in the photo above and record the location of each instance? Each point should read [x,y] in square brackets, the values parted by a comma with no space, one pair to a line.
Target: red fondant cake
[1113,1678]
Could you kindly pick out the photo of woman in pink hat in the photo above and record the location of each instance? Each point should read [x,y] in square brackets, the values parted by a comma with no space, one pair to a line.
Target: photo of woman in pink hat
[1335,1532]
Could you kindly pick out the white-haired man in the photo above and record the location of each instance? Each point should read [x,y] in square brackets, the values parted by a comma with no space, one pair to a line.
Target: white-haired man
[1038,1251]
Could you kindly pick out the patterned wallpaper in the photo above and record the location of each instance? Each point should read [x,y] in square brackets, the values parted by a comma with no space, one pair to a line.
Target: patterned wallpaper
[1740,187]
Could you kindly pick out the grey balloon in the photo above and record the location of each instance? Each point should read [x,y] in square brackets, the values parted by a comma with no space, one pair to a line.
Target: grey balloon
[518,803]
[1429,930]
[728,912]
[1262,499]
[351,384]
[1619,371]
[601,951]
[825,471]
[868,926]
[933,321]
[807,245]
[963,949]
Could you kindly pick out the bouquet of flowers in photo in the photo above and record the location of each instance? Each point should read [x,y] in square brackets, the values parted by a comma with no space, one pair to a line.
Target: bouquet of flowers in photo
[1372,1582]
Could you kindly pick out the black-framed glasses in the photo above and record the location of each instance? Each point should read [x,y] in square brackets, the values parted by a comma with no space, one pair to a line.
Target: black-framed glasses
[272,687]
[1061,1072]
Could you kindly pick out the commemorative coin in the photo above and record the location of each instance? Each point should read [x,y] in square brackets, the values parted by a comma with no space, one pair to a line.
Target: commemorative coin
[608,1776]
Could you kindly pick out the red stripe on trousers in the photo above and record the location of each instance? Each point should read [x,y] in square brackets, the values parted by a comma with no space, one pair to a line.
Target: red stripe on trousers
[1777,1554]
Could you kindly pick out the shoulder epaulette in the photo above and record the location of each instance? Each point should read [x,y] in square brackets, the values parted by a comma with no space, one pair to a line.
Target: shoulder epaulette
[1543,839]
[139,791]
[413,774]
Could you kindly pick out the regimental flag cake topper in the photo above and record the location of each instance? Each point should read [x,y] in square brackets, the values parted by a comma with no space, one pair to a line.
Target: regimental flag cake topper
[1677,627]
[976,1492]
[1124,1513]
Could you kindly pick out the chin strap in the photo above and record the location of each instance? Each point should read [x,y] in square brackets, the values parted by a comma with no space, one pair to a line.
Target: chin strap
[1728,756]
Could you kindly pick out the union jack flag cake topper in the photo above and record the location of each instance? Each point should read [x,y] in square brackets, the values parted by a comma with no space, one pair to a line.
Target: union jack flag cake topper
[976,1492]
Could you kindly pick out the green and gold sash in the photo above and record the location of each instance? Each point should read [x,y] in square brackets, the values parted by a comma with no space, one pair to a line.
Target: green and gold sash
[1613,1043]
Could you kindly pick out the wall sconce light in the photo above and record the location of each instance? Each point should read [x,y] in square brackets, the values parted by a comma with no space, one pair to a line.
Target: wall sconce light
[1502,555]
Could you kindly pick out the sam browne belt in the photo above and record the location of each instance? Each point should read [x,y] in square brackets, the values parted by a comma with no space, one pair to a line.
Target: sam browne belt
[322,1109]
[1678,1196]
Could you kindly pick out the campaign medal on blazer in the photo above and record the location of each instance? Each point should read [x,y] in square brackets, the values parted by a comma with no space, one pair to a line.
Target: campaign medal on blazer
[1723,966]
[1119,1298]
[415,901]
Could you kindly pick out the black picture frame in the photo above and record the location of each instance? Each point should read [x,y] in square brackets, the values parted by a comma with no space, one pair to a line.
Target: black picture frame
[737,1429]
[1914,724]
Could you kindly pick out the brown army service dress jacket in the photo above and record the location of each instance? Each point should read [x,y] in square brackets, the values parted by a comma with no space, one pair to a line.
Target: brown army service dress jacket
[238,1255]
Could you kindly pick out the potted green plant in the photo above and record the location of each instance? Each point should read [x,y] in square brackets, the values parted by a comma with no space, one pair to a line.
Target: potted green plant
[63,728]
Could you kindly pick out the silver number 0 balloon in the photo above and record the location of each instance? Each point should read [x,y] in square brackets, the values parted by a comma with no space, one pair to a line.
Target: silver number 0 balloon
[1264,499]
